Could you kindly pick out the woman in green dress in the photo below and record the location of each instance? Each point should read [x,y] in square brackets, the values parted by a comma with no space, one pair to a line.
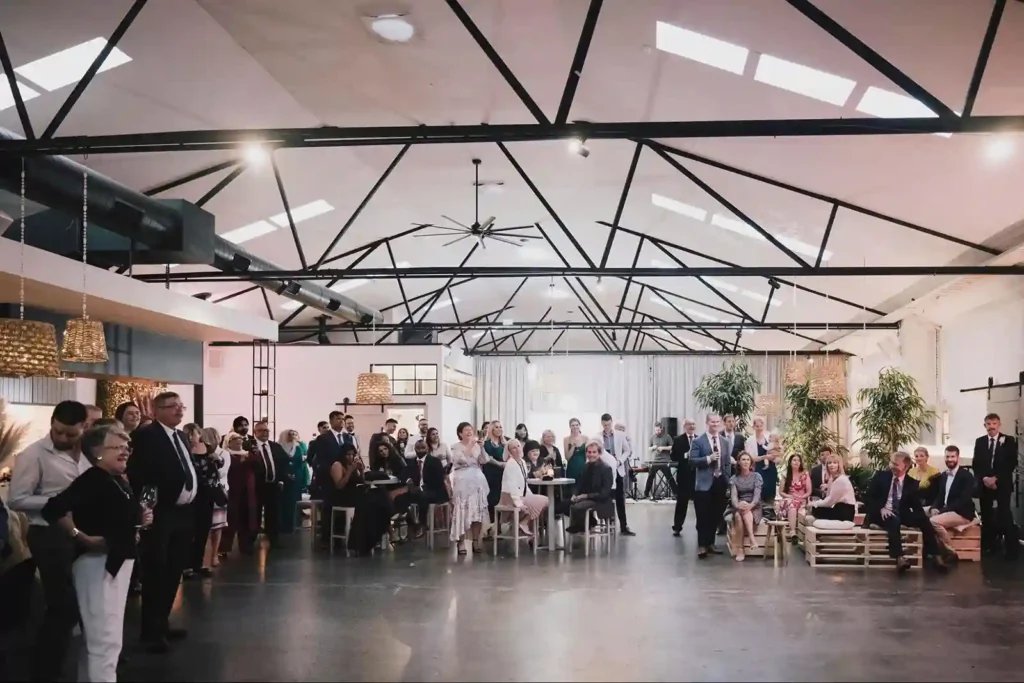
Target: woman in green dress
[575,448]
[296,481]
[494,469]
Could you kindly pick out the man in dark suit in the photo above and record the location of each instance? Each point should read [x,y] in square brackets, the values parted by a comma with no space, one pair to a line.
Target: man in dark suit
[709,455]
[593,491]
[271,469]
[891,502]
[995,459]
[425,480]
[684,473]
[160,459]
[953,504]
[818,472]
[327,447]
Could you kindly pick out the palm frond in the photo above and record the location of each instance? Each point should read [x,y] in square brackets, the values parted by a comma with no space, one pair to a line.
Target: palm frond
[12,434]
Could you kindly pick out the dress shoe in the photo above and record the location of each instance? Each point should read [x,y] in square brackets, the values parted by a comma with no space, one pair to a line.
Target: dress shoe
[627,532]
[714,550]
[176,634]
[902,565]
[677,533]
[206,572]
[702,554]
[574,529]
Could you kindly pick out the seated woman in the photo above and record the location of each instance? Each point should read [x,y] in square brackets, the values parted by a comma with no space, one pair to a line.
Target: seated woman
[925,475]
[839,502]
[796,489]
[745,493]
[550,451]
[439,449]
[537,466]
[514,491]
[372,517]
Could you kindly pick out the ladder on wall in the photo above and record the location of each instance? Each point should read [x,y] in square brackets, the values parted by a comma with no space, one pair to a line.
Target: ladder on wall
[264,383]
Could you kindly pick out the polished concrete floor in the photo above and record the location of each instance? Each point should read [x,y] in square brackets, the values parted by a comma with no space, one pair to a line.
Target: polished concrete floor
[649,611]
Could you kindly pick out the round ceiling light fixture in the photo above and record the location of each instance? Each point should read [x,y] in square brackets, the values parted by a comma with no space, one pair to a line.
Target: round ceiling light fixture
[255,154]
[392,28]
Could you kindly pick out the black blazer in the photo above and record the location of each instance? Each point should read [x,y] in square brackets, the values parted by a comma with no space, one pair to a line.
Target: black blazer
[327,450]
[878,495]
[1002,468]
[155,462]
[960,494]
[680,448]
[281,464]
[433,476]
[817,479]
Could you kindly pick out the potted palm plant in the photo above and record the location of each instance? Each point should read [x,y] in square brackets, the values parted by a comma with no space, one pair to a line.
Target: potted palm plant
[892,416]
[730,390]
[807,432]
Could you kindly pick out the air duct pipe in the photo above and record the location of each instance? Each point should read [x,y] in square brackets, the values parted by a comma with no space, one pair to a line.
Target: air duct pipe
[56,182]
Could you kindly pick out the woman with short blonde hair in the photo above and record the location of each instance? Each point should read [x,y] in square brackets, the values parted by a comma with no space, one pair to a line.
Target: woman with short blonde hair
[515,492]
[840,501]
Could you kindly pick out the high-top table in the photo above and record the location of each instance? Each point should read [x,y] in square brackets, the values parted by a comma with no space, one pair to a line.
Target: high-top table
[551,483]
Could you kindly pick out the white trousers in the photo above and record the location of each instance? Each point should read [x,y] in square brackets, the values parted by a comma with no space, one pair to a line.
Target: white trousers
[101,601]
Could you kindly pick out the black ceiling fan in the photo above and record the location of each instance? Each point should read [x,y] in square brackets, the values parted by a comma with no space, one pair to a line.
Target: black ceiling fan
[480,231]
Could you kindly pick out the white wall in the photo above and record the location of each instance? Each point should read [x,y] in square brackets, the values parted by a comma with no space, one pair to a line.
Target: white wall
[311,381]
[454,410]
[986,342]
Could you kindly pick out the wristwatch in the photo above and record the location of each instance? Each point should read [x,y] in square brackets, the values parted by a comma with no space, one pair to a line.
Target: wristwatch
[75,532]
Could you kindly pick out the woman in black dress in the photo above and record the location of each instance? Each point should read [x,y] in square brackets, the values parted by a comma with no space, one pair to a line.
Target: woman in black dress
[372,507]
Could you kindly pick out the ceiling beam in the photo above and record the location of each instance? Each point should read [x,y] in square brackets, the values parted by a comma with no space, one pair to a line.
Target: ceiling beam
[622,203]
[479,323]
[578,60]
[288,209]
[333,136]
[19,101]
[983,54]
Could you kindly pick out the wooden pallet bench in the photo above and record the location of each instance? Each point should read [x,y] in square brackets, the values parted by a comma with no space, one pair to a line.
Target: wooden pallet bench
[967,542]
[801,524]
[760,534]
[858,547]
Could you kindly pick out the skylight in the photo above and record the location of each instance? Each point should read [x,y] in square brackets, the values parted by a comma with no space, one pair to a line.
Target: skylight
[443,303]
[7,98]
[703,316]
[721,284]
[701,48]
[478,334]
[303,213]
[348,285]
[741,228]
[886,104]
[661,302]
[803,80]
[248,232]
[68,66]
[688,210]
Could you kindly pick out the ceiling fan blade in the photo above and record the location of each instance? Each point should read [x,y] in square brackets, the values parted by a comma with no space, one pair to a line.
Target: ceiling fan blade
[443,234]
[444,227]
[486,225]
[448,218]
[506,241]
[454,241]
[516,228]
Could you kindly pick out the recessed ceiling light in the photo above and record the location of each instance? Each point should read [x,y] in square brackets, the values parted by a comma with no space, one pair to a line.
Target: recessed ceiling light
[394,28]
[803,80]
[998,149]
[891,105]
[68,66]
[701,48]
[303,213]
[735,225]
[443,303]
[248,232]
[7,98]
[694,212]
[721,284]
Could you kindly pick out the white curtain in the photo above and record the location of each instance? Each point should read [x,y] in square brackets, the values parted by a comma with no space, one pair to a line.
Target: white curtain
[501,390]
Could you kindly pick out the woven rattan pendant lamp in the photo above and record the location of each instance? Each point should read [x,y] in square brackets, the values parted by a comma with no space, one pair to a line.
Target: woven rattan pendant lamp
[27,348]
[827,380]
[84,340]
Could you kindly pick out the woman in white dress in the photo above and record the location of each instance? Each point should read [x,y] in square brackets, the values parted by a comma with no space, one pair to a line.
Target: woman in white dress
[514,491]
[469,487]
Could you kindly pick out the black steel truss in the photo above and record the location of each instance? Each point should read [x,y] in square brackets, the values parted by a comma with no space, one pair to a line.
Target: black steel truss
[604,326]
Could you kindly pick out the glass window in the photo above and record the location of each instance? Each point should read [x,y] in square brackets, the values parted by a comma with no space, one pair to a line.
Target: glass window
[410,379]
[405,372]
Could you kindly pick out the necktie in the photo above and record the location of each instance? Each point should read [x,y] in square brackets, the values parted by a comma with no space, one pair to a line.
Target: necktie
[341,441]
[895,495]
[183,459]
[421,470]
[992,447]
[268,463]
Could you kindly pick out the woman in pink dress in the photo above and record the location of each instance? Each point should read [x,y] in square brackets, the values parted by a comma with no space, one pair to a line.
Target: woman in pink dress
[796,489]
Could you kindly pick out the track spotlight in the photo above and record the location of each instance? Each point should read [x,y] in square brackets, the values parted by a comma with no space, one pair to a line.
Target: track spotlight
[579,146]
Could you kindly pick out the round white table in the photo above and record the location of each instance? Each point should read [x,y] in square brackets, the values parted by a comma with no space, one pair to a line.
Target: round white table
[390,481]
[552,483]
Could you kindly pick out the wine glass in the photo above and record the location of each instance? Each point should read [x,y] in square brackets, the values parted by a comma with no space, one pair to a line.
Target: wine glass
[147,499]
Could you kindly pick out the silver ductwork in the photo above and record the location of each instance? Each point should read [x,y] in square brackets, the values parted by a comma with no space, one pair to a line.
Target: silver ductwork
[56,182]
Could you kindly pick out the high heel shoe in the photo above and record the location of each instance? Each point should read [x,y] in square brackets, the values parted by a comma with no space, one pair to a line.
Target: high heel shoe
[462,547]
[478,547]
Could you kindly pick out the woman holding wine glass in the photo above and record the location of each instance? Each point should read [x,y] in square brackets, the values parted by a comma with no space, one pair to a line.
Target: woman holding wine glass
[100,513]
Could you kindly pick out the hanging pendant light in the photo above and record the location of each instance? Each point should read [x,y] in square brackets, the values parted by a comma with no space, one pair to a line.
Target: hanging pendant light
[27,348]
[766,404]
[827,379]
[84,339]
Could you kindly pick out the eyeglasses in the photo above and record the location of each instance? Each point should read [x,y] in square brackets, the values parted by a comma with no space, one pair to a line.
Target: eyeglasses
[172,406]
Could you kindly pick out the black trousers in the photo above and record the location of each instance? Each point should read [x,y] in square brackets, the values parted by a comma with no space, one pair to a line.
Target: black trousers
[577,512]
[919,522]
[652,474]
[710,507]
[269,500]
[841,512]
[420,499]
[54,553]
[203,507]
[684,493]
[166,549]
[620,500]
[998,522]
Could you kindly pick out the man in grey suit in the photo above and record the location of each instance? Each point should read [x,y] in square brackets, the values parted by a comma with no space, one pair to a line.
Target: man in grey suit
[711,458]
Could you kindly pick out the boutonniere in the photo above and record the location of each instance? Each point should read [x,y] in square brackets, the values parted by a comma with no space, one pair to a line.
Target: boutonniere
[1001,440]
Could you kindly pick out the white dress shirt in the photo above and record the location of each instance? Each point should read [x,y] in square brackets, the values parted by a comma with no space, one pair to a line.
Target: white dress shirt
[186,496]
[949,483]
[268,460]
[40,473]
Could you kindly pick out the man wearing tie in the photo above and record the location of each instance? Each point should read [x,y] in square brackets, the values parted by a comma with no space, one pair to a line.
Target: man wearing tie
[891,502]
[713,465]
[271,469]
[995,459]
[425,479]
[684,473]
[327,447]
[160,459]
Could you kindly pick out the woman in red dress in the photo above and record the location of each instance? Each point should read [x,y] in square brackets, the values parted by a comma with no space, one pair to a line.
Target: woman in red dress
[243,511]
